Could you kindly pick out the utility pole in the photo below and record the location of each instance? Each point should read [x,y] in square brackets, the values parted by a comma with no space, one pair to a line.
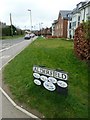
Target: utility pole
[11,25]
[30,20]
[41,28]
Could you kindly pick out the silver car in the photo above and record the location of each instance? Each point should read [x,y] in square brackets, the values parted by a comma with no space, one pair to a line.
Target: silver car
[27,36]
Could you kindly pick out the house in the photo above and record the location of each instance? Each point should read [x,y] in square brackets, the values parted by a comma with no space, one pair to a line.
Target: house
[69,28]
[53,27]
[46,31]
[59,26]
[78,15]
[43,32]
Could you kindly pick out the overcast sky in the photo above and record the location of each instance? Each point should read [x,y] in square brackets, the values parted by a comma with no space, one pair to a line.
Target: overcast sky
[42,11]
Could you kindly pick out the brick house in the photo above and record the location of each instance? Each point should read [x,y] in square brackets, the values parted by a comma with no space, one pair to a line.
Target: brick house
[59,27]
[78,15]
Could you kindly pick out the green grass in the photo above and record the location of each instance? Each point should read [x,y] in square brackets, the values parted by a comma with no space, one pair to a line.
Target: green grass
[52,53]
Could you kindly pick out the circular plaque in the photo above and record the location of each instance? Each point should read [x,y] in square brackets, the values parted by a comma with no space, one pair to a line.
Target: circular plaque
[49,86]
[62,84]
[37,82]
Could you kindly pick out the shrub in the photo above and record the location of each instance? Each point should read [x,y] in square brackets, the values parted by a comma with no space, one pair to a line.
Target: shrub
[82,41]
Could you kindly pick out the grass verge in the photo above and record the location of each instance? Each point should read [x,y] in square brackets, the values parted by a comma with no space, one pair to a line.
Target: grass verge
[52,53]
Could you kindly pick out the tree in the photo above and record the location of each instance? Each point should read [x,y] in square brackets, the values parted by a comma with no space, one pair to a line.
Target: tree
[6,31]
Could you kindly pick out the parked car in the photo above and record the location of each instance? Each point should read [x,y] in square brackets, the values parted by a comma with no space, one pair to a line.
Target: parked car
[32,35]
[27,36]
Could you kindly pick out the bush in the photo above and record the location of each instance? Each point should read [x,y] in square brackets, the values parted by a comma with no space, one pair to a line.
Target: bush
[87,30]
[82,41]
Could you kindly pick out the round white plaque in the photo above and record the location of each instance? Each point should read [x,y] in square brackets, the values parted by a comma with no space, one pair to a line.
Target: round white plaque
[36,75]
[53,80]
[43,78]
[49,86]
[62,84]
[37,82]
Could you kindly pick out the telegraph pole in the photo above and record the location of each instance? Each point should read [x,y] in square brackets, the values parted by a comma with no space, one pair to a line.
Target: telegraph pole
[41,28]
[11,25]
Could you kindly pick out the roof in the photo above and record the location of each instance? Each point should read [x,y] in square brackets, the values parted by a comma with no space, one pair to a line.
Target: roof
[55,21]
[64,13]
[75,10]
[83,5]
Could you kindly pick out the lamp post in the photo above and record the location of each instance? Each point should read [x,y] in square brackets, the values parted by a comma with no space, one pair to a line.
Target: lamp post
[41,28]
[30,20]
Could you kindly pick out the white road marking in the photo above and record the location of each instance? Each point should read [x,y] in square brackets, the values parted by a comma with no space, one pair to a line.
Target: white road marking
[10,46]
[6,95]
[13,56]
[5,49]
[4,57]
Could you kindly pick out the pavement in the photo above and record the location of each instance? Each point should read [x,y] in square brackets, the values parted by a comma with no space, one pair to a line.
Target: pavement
[8,108]
[9,111]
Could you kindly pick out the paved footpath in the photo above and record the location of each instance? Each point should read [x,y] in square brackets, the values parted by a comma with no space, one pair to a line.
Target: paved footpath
[9,109]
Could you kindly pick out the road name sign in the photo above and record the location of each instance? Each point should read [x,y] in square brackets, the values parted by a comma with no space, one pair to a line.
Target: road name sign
[51,79]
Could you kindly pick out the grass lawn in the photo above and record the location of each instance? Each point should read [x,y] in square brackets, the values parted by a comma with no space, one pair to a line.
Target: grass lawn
[52,53]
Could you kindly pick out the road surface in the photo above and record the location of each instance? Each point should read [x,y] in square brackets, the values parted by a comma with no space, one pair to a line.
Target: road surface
[8,51]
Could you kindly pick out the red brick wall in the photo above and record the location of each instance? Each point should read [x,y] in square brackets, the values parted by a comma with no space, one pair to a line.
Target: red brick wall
[65,24]
[81,44]
[61,28]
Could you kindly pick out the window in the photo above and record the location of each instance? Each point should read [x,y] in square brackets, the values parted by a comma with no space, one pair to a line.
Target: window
[88,18]
[78,23]
[78,18]
[74,24]
[69,25]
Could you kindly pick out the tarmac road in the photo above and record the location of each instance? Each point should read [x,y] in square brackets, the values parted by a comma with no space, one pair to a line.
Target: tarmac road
[7,53]
[10,51]
[10,42]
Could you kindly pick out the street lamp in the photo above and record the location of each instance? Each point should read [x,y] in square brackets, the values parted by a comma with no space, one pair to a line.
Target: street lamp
[30,19]
[41,28]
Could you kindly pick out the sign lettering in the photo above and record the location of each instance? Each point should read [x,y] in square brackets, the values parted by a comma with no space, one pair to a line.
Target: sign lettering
[49,72]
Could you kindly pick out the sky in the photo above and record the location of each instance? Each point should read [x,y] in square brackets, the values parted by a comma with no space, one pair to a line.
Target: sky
[43,12]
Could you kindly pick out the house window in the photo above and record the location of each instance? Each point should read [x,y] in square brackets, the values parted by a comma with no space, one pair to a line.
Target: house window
[78,23]
[88,18]
[70,36]
[70,26]
[74,24]
[78,18]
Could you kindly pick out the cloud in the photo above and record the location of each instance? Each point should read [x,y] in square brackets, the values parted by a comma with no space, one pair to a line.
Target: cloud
[45,11]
